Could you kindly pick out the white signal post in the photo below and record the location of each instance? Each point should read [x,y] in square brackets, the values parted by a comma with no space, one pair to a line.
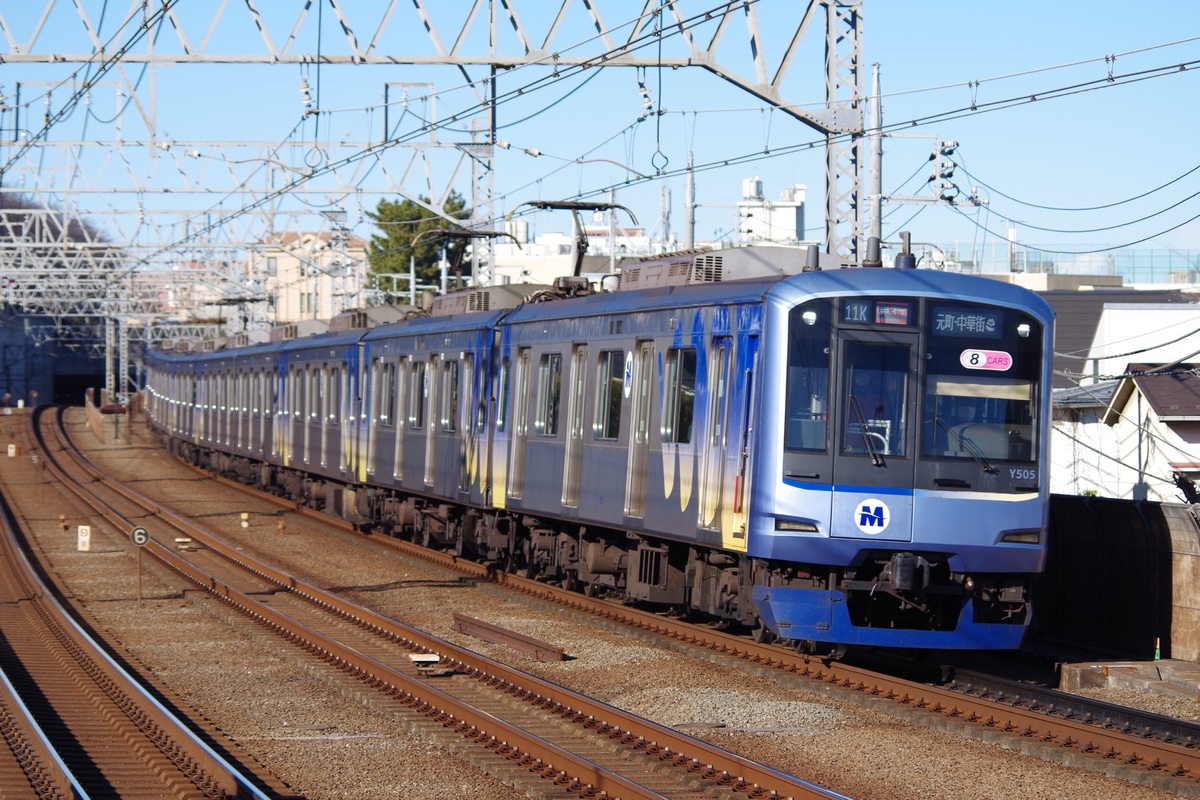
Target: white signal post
[140,537]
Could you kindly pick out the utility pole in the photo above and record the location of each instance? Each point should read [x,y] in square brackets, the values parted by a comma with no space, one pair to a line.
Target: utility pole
[875,134]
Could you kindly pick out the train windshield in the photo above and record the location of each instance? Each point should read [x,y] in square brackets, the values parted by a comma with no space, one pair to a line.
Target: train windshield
[876,381]
[944,380]
[983,366]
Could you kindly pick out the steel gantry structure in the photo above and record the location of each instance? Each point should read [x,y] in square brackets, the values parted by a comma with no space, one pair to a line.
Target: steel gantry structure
[105,209]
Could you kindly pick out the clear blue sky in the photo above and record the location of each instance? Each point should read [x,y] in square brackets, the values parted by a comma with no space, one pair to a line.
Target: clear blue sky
[1099,146]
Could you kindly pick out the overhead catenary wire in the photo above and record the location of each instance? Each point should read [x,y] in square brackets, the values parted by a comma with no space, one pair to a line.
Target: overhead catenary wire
[746,158]
[678,28]
[975,179]
[108,61]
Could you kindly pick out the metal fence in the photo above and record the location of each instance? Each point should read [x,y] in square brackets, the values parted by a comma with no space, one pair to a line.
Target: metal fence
[1134,265]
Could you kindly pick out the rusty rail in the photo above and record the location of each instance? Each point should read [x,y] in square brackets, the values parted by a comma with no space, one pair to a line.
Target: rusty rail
[59,673]
[1177,759]
[542,651]
[667,748]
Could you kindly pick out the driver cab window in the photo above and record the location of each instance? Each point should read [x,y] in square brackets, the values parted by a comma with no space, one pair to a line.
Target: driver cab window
[875,381]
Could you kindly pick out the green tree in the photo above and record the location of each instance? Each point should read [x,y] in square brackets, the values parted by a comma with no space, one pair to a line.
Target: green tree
[400,223]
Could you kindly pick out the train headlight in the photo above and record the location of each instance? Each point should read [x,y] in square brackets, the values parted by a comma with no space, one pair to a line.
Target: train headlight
[1023,330]
[1021,537]
[809,317]
[795,525]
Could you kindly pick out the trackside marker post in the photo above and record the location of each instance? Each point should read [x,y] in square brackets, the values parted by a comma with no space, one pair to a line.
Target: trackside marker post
[140,537]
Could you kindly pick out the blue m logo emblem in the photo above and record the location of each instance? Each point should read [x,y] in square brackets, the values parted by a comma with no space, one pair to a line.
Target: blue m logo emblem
[871,517]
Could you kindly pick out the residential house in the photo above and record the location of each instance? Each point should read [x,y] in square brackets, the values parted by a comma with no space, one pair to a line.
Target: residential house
[1155,412]
[311,276]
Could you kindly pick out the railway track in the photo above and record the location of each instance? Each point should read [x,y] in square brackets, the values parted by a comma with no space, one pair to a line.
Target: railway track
[558,737]
[1139,745]
[76,723]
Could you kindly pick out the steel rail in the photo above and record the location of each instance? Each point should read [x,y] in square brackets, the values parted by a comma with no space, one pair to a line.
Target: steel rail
[134,710]
[670,747]
[47,772]
[1179,759]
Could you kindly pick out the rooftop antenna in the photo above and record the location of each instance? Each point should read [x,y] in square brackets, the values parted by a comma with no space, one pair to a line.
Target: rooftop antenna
[873,258]
[905,258]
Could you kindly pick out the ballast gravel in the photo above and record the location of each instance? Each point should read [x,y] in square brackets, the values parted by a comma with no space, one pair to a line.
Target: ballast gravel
[306,726]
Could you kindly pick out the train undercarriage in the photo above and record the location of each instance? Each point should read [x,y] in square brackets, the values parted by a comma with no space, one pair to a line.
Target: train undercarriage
[887,589]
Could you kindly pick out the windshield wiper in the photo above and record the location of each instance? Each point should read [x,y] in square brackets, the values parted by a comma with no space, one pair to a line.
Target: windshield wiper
[965,443]
[868,441]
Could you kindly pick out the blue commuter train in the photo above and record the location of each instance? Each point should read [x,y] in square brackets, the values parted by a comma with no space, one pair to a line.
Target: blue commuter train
[848,456]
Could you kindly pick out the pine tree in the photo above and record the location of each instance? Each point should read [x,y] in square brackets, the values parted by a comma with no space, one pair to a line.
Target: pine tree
[400,223]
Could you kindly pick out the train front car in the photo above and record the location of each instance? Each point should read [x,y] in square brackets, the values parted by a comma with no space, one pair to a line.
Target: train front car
[900,494]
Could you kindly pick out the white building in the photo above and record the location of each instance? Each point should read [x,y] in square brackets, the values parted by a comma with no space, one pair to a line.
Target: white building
[1103,441]
[1155,412]
[781,222]
[1157,333]
[553,255]
[311,276]
[1082,448]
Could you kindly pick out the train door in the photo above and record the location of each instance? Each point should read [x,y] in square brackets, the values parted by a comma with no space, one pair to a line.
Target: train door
[296,406]
[228,390]
[417,391]
[743,396]
[255,410]
[520,427]
[285,398]
[712,452]
[325,409]
[199,406]
[574,453]
[430,389]
[372,414]
[347,414]
[496,488]
[237,382]
[450,426]
[308,385]
[222,409]
[873,465]
[398,425]
[639,375]
[464,384]
[245,414]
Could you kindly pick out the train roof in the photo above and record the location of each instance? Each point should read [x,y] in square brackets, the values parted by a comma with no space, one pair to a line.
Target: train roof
[419,325]
[741,291]
[785,289]
[950,285]
[847,281]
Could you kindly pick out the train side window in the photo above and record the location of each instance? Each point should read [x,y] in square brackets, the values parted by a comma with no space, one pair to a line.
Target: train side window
[610,386]
[416,396]
[679,397]
[502,398]
[297,392]
[450,396]
[337,376]
[549,393]
[386,376]
[312,378]
[718,366]
[806,404]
